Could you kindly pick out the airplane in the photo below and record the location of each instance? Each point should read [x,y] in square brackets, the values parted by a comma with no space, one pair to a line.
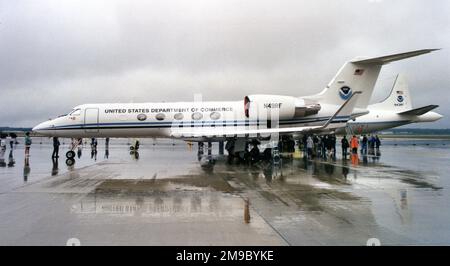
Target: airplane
[255,117]
[394,111]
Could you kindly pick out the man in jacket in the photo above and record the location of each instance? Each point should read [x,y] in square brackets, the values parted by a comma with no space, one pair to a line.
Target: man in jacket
[345,145]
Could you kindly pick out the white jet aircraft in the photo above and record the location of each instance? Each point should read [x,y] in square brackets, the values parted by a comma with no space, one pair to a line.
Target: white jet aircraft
[256,116]
[394,111]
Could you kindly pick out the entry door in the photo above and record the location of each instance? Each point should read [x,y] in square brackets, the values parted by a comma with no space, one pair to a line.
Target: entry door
[91,120]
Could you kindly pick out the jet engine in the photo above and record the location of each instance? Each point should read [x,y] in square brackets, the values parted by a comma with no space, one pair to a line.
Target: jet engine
[278,107]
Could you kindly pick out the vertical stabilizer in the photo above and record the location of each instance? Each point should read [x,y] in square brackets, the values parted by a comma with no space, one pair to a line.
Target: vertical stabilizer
[360,74]
[399,98]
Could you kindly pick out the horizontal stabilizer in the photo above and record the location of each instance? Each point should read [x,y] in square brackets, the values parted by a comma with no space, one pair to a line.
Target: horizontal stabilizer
[383,60]
[419,111]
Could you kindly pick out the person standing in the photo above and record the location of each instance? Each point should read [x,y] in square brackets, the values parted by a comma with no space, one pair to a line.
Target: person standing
[377,143]
[371,142]
[324,147]
[107,148]
[316,146]
[354,143]
[329,145]
[3,142]
[344,145]
[2,158]
[304,142]
[10,141]
[364,145]
[254,152]
[230,149]
[94,148]
[28,143]
[333,145]
[79,147]
[14,138]
[309,146]
[56,145]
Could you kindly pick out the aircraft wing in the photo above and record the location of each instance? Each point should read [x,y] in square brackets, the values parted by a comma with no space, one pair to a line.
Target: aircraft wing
[419,111]
[230,132]
[212,132]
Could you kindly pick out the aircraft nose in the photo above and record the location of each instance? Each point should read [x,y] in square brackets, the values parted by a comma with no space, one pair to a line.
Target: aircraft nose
[37,128]
[42,128]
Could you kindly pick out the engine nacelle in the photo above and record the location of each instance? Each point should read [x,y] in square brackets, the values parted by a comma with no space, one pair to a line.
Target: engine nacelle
[279,107]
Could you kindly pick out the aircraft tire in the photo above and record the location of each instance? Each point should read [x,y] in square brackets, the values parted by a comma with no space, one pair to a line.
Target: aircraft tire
[70,161]
[70,154]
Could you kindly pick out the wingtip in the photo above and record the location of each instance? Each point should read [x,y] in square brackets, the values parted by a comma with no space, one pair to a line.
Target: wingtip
[430,50]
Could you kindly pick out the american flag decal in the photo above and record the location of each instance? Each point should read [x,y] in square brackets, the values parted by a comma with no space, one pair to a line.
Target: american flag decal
[359,72]
[400,92]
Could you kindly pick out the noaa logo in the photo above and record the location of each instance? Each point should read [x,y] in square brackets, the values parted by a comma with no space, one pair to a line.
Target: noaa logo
[142,117]
[400,99]
[345,93]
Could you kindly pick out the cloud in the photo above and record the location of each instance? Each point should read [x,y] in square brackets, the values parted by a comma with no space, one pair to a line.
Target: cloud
[58,54]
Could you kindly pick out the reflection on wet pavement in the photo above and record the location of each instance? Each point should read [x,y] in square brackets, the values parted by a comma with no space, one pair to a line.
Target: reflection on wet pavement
[164,197]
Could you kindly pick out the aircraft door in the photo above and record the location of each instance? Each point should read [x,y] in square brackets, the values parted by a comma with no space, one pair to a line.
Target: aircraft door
[91,120]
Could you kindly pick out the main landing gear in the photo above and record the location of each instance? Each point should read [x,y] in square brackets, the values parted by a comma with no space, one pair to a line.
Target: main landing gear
[134,149]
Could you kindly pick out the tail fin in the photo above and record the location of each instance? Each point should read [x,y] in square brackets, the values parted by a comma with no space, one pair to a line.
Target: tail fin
[399,99]
[360,74]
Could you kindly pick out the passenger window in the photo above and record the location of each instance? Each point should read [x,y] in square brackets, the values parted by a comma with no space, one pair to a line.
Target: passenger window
[197,116]
[215,115]
[160,116]
[178,116]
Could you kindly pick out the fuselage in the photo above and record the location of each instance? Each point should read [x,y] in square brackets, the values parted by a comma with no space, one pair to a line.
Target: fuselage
[377,120]
[157,120]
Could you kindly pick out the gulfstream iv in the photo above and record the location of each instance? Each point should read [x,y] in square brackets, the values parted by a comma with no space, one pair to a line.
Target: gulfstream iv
[345,98]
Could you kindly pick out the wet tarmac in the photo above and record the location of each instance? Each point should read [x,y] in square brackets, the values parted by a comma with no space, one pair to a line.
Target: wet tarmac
[165,197]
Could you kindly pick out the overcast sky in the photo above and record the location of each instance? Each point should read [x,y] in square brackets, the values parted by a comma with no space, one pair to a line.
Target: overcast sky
[57,54]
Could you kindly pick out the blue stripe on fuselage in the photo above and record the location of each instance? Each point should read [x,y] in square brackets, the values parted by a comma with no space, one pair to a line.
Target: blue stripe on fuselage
[191,123]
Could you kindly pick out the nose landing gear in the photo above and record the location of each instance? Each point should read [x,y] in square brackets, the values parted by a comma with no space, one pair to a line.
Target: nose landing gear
[70,155]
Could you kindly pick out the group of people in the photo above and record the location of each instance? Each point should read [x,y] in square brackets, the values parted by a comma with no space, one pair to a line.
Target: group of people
[4,141]
[240,152]
[373,142]
[8,139]
[11,141]
[313,146]
[320,146]
[325,146]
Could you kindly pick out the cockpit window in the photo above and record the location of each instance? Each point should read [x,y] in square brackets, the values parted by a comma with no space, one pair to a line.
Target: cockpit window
[76,112]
